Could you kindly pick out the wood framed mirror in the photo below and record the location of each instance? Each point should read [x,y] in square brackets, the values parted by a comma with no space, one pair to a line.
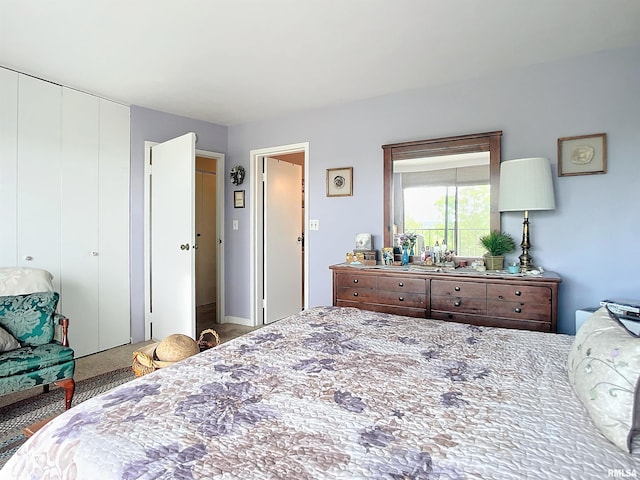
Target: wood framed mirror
[439,157]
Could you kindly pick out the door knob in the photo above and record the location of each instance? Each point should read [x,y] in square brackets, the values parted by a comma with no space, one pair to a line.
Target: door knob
[184,246]
[195,246]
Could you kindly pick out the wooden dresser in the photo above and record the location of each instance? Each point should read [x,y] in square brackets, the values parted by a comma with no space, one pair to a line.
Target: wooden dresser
[478,298]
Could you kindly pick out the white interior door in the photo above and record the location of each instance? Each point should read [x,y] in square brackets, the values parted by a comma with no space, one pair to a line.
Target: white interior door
[282,239]
[173,237]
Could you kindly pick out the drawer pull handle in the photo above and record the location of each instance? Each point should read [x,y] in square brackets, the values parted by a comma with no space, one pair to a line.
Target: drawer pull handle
[355,294]
[457,289]
[401,284]
[457,303]
[518,310]
[500,297]
[401,299]
[518,293]
[355,280]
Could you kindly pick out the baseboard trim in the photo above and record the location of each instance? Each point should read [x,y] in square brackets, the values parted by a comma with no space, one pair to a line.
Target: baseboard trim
[239,320]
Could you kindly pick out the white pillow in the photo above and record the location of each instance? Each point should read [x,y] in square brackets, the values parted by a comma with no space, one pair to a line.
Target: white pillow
[23,280]
[604,369]
[7,341]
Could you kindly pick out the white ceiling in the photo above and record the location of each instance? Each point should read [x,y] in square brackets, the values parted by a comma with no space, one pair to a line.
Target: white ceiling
[235,61]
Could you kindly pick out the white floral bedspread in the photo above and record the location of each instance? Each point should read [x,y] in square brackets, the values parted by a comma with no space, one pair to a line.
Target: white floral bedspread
[339,393]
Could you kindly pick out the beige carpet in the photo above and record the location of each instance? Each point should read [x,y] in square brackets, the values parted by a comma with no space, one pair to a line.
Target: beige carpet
[115,358]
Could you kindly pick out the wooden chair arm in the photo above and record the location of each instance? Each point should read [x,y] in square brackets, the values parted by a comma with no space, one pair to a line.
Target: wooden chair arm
[64,323]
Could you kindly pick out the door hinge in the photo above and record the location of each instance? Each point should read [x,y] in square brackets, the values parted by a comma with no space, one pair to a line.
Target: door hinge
[264,176]
[264,303]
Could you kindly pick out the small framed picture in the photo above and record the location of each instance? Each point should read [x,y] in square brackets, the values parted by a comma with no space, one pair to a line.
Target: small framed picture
[583,155]
[387,256]
[340,182]
[238,199]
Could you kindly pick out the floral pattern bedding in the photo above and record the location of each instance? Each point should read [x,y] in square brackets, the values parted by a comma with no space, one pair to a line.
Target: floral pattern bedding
[339,393]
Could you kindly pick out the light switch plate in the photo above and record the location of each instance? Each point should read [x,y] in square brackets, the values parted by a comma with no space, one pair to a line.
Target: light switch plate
[235,224]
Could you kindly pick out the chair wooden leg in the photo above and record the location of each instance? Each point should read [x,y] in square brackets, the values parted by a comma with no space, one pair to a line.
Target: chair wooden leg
[69,386]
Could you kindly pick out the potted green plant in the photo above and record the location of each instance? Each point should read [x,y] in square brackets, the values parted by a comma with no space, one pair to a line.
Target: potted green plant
[497,245]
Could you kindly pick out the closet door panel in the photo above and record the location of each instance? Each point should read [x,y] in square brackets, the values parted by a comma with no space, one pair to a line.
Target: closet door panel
[8,166]
[79,219]
[114,224]
[38,175]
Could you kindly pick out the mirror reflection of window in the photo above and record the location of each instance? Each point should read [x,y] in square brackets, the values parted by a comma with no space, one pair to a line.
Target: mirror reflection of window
[451,163]
[444,200]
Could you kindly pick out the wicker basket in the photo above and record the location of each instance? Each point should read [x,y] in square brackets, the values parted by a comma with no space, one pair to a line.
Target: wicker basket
[209,342]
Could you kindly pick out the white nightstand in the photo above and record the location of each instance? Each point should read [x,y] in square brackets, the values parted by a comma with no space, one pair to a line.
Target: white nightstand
[584,313]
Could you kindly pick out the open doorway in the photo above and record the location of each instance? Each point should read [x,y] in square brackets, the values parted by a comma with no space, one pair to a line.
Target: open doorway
[275,291]
[207,242]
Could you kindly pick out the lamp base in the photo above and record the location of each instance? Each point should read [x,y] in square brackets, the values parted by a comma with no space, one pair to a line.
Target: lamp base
[526,262]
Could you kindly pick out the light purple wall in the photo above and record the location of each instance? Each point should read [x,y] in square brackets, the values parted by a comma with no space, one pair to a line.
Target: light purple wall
[591,237]
[154,126]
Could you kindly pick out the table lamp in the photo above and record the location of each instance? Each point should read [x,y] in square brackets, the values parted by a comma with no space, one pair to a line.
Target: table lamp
[526,184]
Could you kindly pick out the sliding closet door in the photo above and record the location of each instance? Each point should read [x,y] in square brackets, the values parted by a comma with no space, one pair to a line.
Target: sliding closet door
[38,175]
[113,231]
[79,219]
[95,221]
[8,166]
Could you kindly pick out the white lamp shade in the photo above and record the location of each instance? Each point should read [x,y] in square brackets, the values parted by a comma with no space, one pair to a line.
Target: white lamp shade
[526,184]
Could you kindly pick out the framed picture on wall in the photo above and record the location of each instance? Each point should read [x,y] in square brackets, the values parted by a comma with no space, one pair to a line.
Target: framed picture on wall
[340,182]
[582,155]
[238,199]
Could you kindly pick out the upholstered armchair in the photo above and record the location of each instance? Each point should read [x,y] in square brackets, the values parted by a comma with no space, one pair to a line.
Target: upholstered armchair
[29,353]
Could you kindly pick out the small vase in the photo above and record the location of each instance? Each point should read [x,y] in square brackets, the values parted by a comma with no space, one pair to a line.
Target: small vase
[405,256]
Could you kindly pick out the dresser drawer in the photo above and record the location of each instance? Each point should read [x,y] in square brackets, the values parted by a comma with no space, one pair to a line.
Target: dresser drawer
[377,307]
[458,289]
[404,299]
[355,280]
[519,293]
[490,321]
[459,304]
[356,294]
[410,285]
[524,310]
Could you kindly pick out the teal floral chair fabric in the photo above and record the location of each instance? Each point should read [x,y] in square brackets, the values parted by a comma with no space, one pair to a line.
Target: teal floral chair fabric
[36,358]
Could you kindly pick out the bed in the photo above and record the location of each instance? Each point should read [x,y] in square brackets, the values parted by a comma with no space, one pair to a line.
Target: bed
[340,393]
